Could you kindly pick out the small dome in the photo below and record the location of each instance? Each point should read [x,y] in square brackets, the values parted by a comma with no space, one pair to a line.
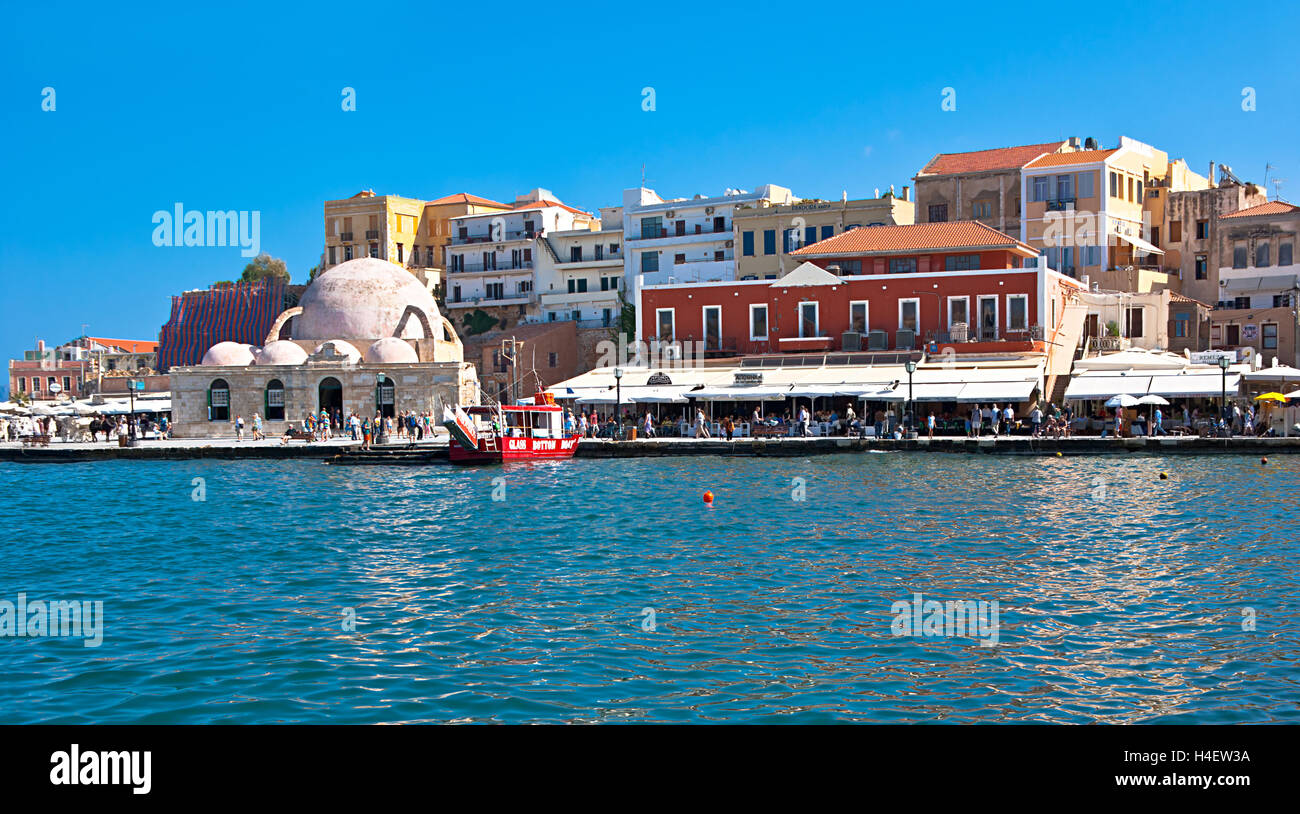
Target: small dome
[363,298]
[229,354]
[281,352]
[342,348]
[391,350]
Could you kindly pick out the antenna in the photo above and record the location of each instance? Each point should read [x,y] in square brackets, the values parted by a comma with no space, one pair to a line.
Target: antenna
[1267,167]
[1277,188]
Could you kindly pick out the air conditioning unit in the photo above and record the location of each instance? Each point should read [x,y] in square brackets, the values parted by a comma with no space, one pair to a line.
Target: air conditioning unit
[670,214]
[877,340]
[708,210]
[851,340]
[731,244]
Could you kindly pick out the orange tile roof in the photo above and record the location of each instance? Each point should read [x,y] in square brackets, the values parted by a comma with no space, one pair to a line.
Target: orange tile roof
[466,198]
[1270,208]
[1002,158]
[1174,296]
[918,237]
[542,204]
[1076,157]
[127,345]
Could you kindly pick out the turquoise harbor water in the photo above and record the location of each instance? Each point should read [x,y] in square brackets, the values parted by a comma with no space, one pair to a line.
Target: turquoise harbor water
[1121,596]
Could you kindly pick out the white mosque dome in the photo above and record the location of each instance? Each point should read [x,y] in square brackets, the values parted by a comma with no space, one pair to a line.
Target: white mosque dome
[281,352]
[341,347]
[391,350]
[229,354]
[363,299]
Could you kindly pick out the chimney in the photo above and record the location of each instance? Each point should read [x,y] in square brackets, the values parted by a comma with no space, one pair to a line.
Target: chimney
[907,193]
[1211,175]
[40,346]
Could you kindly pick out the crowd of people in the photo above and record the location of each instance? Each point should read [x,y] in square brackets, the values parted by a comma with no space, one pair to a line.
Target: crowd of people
[83,428]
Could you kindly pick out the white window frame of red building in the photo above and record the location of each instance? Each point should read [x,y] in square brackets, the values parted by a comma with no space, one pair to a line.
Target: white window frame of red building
[866,314]
[1011,297]
[817,318]
[997,316]
[767,327]
[704,324]
[963,298]
[916,300]
[672,315]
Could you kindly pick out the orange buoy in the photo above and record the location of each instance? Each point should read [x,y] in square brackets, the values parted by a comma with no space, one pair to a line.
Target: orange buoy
[1263,461]
[708,498]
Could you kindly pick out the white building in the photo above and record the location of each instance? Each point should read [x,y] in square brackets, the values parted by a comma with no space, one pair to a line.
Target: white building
[585,273]
[501,258]
[685,240]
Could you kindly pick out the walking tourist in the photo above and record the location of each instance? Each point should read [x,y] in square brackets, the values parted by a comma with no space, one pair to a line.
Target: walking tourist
[1036,421]
[929,425]
[239,428]
[976,420]
[729,427]
[257,427]
[649,425]
[701,428]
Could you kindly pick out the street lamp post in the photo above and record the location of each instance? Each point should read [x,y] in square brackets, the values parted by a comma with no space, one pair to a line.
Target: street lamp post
[379,403]
[618,401]
[130,422]
[911,368]
[1223,398]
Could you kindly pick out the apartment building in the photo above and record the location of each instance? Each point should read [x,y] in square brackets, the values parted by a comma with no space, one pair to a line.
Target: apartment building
[686,239]
[499,262]
[410,232]
[1100,213]
[766,235]
[982,185]
[586,278]
[1259,286]
[1193,229]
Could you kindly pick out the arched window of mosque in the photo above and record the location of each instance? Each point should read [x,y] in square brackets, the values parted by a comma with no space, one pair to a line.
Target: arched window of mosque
[275,400]
[219,400]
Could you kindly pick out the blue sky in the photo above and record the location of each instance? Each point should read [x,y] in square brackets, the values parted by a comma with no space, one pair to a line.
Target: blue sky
[238,107]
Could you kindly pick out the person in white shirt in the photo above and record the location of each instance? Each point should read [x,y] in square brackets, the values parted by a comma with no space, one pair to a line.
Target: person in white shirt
[1036,420]
[649,425]
[1009,415]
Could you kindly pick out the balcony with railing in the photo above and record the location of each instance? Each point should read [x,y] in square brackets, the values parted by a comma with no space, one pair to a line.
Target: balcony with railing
[345,237]
[695,229]
[372,234]
[495,237]
[1060,204]
[473,268]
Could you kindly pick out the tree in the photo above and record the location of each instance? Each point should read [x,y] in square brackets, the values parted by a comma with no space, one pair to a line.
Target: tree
[311,275]
[264,266]
[625,325]
[479,322]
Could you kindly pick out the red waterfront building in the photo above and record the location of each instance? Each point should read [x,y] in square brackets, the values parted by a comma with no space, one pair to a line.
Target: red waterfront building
[961,284]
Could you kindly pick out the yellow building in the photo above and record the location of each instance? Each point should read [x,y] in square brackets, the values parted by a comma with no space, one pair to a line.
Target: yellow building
[766,234]
[407,231]
[1100,213]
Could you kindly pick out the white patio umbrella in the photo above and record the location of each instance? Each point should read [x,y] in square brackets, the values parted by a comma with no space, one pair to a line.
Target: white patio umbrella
[1122,400]
[1152,399]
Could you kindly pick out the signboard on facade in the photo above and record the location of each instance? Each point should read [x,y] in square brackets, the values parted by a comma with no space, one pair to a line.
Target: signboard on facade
[1212,357]
[743,378]
[658,379]
[1249,332]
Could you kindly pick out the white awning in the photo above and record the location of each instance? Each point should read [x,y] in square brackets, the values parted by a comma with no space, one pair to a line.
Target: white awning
[753,393]
[657,395]
[1103,387]
[1279,373]
[978,392]
[1194,384]
[1139,243]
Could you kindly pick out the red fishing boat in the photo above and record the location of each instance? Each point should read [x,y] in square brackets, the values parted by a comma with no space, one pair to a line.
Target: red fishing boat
[509,432]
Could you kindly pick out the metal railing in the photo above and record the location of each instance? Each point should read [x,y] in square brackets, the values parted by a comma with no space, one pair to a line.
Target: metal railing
[513,234]
[372,234]
[1060,204]
[345,237]
[522,265]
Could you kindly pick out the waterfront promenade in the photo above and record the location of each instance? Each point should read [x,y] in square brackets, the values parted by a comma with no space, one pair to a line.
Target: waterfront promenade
[348,451]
